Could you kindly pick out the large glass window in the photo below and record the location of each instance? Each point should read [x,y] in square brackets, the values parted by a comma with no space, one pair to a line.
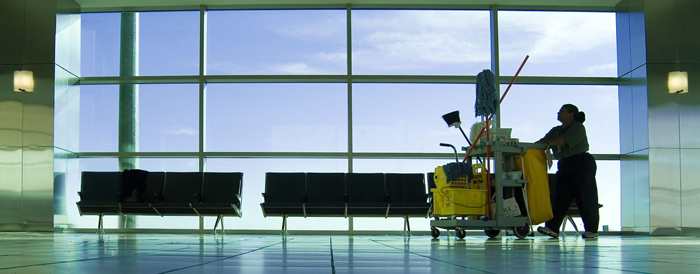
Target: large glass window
[276,42]
[408,117]
[425,42]
[531,111]
[168,43]
[99,44]
[304,116]
[277,117]
[559,43]
[99,118]
[168,117]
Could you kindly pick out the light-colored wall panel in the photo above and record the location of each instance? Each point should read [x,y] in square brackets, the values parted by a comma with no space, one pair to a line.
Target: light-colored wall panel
[641,190]
[10,186]
[66,111]
[664,188]
[690,187]
[626,119]
[689,105]
[664,130]
[640,110]
[68,37]
[26,140]
[37,188]
[627,196]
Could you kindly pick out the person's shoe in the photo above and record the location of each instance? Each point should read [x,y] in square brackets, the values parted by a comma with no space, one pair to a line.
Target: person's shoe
[546,231]
[589,235]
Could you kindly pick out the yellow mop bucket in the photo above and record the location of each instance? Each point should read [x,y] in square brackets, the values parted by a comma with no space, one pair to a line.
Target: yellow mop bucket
[459,201]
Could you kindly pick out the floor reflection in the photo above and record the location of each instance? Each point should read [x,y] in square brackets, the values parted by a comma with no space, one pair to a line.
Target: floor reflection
[233,253]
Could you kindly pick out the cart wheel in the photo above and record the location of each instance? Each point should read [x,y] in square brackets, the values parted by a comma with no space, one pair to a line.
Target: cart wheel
[492,233]
[460,233]
[434,232]
[521,231]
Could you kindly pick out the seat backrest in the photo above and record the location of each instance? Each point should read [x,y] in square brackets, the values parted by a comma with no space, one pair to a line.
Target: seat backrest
[285,187]
[405,187]
[182,187]
[325,187]
[221,187]
[96,186]
[365,188]
[154,188]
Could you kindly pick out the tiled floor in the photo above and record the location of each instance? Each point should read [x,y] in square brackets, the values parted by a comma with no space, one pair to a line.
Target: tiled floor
[234,253]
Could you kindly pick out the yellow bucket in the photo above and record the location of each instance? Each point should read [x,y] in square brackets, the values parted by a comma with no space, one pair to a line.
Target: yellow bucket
[458,201]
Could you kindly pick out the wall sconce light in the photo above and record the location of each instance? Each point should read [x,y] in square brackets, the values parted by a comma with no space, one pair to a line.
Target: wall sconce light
[24,81]
[678,82]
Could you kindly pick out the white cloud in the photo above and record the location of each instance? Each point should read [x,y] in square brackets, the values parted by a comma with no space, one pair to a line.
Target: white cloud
[314,30]
[181,131]
[295,68]
[413,39]
[605,69]
[551,35]
[332,57]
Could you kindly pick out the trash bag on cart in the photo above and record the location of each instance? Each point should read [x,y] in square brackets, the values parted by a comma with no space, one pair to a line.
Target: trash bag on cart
[535,172]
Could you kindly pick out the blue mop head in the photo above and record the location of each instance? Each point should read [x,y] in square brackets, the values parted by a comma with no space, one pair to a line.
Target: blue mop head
[487,101]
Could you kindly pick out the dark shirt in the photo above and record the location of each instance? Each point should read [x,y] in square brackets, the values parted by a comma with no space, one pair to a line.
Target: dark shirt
[575,137]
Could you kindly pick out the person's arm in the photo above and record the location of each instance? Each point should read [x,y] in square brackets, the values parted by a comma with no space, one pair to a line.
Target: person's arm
[574,135]
[546,137]
[559,141]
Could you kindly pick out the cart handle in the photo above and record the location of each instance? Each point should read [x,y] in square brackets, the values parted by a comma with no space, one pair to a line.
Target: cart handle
[453,148]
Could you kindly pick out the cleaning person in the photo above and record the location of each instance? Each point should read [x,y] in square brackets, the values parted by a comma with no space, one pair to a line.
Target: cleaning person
[576,171]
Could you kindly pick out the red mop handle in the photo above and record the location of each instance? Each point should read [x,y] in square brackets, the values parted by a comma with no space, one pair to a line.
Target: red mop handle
[503,96]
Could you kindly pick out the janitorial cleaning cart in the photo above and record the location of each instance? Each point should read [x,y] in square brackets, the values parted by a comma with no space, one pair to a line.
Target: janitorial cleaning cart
[460,205]
[471,197]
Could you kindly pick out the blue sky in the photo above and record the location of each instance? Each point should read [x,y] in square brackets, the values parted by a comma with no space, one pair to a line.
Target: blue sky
[308,117]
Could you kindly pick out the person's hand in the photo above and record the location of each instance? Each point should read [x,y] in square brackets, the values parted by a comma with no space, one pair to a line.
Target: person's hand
[548,156]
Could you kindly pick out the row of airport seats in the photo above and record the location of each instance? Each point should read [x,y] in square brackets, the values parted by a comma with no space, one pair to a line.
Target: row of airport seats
[345,195]
[162,194]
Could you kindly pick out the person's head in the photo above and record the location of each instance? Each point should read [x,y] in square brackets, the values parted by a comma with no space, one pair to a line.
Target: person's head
[569,113]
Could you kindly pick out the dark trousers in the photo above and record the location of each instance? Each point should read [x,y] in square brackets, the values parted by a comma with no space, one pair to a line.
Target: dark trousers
[576,180]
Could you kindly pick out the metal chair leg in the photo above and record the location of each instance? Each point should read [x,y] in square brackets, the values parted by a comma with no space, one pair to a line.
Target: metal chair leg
[406,226]
[100,225]
[574,224]
[284,225]
[223,230]
[216,223]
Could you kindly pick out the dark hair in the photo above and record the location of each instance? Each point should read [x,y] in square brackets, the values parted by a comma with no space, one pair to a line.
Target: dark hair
[579,116]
